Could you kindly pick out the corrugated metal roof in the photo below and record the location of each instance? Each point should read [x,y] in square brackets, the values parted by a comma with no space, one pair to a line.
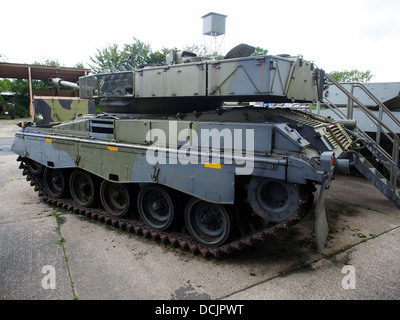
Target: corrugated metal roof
[38,72]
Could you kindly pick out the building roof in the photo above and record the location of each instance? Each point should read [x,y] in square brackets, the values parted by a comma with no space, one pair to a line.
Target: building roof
[38,72]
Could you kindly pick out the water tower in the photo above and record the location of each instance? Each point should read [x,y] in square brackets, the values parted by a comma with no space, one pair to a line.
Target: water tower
[214,27]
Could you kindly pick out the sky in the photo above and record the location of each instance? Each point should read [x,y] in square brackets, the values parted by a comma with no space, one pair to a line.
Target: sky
[336,35]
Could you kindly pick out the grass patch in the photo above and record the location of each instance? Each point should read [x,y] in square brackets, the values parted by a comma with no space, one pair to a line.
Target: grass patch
[61,242]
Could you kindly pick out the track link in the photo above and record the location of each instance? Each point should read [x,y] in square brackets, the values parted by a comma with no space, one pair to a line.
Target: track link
[176,239]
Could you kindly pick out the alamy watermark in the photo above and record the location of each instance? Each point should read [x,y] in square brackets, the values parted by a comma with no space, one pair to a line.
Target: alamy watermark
[190,147]
[49,280]
[349,280]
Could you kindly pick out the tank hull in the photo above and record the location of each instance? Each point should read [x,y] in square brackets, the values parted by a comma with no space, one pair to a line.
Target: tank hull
[239,166]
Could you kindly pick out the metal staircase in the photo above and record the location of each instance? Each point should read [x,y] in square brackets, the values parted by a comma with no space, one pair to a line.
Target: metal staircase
[387,184]
[377,179]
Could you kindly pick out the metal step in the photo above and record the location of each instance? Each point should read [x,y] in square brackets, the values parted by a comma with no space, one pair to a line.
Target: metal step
[377,179]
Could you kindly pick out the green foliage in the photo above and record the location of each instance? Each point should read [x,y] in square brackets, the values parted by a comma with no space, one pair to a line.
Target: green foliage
[138,52]
[56,63]
[141,53]
[260,52]
[5,85]
[21,99]
[106,58]
[200,50]
[351,76]
[79,65]
[158,57]
[49,62]
[21,89]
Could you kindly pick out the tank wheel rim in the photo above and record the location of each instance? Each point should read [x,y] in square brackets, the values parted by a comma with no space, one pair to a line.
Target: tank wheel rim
[209,223]
[116,198]
[55,182]
[156,207]
[82,188]
[34,166]
[273,200]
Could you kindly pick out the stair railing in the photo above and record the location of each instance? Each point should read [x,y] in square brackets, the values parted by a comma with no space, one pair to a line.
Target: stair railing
[392,161]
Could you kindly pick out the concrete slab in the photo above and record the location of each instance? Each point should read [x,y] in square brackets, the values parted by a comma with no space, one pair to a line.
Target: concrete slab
[373,263]
[29,248]
[30,255]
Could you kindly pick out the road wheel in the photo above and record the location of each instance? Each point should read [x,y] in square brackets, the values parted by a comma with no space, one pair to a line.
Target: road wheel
[157,206]
[83,188]
[55,182]
[117,198]
[209,223]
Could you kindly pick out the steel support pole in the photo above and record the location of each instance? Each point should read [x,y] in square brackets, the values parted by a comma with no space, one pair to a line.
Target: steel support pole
[30,93]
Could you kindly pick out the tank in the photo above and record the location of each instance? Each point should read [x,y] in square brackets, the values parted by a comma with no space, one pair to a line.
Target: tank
[175,155]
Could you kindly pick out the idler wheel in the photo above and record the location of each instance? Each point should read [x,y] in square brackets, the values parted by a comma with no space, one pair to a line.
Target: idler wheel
[273,200]
[157,206]
[209,223]
[83,189]
[117,198]
[34,167]
[55,182]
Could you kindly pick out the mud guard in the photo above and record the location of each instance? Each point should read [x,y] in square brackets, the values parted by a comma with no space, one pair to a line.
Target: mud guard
[321,224]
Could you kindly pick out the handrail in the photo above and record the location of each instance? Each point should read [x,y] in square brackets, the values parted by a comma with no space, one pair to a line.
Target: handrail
[382,109]
[394,158]
[335,109]
[380,104]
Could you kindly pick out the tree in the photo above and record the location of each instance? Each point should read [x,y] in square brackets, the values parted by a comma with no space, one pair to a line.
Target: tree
[49,62]
[5,86]
[351,76]
[56,63]
[79,65]
[260,52]
[138,53]
[106,58]
[158,57]
[199,50]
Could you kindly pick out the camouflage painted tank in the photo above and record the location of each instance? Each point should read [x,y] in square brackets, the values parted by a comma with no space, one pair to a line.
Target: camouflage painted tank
[169,160]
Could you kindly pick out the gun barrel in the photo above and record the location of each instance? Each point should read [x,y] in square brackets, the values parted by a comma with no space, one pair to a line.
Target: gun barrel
[61,82]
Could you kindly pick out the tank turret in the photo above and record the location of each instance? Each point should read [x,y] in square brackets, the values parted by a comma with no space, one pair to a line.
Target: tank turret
[188,83]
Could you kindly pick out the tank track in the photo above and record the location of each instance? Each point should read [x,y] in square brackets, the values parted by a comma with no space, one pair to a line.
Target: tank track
[176,239]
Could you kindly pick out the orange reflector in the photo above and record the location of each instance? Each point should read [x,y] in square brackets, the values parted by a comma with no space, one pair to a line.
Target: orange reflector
[112,148]
[332,160]
[212,165]
[47,139]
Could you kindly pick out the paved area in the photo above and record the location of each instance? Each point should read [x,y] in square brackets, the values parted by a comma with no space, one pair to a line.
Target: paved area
[50,254]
